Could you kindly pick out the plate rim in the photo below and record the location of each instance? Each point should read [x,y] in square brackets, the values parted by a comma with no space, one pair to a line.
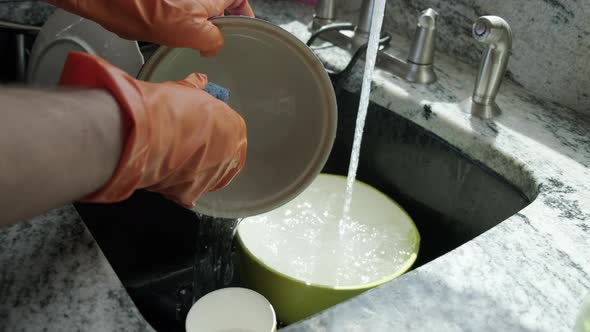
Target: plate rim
[63,25]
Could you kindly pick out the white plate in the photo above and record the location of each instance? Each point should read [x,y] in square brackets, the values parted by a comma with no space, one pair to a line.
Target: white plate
[285,96]
[65,32]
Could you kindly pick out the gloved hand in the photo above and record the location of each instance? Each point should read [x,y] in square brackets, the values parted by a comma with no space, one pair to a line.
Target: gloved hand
[176,23]
[180,141]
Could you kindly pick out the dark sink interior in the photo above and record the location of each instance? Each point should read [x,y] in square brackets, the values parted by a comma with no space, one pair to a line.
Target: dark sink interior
[150,241]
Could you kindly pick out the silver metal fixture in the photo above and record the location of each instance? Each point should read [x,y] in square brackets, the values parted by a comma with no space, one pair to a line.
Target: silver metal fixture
[325,13]
[20,31]
[338,78]
[421,56]
[363,27]
[494,32]
[21,62]
[19,27]
[419,66]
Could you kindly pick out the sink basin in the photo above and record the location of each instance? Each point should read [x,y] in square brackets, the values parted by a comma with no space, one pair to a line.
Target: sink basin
[150,241]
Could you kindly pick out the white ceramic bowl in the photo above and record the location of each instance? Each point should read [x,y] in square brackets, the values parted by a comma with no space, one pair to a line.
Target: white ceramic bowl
[231,310]
[285,96]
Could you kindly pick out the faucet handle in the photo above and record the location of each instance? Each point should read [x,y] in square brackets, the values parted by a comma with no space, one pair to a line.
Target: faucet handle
[421,55]
[422,50]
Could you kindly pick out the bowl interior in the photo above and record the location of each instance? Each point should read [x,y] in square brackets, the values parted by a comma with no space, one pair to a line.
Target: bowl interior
[307,241]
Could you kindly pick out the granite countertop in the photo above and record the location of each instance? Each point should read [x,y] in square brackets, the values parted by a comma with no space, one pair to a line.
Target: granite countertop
[31,12]
[531,272]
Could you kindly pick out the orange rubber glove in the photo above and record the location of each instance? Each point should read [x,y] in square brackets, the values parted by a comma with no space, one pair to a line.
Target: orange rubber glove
[180,141]
[176,23]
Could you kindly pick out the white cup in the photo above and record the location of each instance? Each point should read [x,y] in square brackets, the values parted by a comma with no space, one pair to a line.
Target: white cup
[231,309]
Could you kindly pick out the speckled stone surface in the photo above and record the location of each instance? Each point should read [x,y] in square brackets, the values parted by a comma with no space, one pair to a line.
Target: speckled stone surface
[54,277]
[529,273]
[34,12]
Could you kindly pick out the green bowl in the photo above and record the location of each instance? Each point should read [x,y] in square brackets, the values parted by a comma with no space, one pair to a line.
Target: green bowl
[295,299]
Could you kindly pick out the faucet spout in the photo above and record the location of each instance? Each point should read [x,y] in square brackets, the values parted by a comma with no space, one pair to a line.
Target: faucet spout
[418,66]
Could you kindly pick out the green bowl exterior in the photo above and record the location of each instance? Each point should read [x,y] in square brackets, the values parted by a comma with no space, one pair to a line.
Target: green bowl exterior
[292,300]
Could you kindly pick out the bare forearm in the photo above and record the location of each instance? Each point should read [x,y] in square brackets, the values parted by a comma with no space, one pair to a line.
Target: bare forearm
[56,146]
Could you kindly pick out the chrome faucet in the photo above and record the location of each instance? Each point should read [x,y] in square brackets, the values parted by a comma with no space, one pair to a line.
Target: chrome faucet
[494,32]
[325,13]
[419,65]
[361,31]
